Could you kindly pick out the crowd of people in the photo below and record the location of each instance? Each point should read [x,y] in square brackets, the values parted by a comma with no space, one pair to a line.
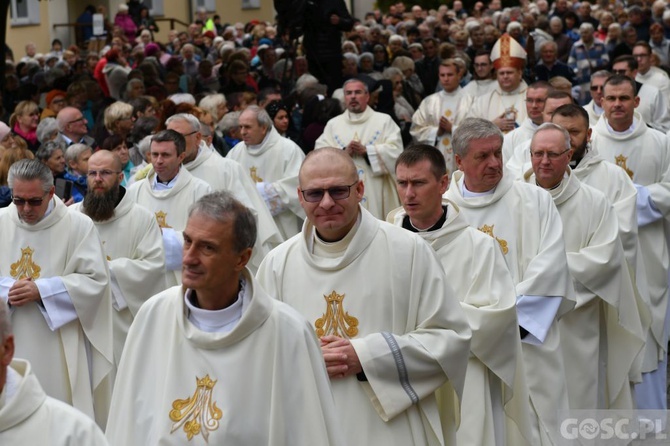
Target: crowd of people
[419,227]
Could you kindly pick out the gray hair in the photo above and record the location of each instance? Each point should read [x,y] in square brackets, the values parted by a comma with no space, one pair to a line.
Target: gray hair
[129,85]
[144,146]
[352,80]
[365,56]
[551,126]
[601,73]
[46,129]
[29,170]
[5,322]
[264,120]
[221,206]
[392,71]
[305,81]
[192,120]
[586,26]
[205,130]
[229,122]
[550,43]
[211,102]
[182,98]
[351,57]
[49,148]
[472,129]
[73,152]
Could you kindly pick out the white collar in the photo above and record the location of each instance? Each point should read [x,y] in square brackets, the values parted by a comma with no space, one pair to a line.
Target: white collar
[218,321]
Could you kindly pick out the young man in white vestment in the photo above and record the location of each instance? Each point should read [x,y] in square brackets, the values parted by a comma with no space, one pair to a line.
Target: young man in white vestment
[131,240]
[55,279]
[504,105]
[623,138]
[218,361]
[602,337]
[434,120]
[536,96]
[647,73]
[167,191]
[392,331]
[220,173]
[525,223]
[373,141]
[272,162]
[27,415]
[494,408]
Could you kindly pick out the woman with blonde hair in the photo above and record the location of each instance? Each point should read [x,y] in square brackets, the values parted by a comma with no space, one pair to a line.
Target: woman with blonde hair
[23,123]
[9,157]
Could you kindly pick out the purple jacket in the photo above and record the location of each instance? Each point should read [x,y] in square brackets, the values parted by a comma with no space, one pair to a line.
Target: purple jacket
[126,23]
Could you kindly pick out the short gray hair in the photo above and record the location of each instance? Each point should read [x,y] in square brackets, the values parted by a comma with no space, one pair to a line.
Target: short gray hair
[262,116]
[551,126]
[73,152]
[586,26]
[472,129]
[29,170]
[221,206]
[390,72]
[47,149]
[5,323]
[46,129]
[211,102]
[229,122]
[601,73]
[144,146]
[192,120]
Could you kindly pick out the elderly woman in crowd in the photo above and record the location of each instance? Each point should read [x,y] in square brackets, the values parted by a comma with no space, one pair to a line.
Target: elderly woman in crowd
[23,123]
[403,110]
[76,160]
[47,130]
[119,119]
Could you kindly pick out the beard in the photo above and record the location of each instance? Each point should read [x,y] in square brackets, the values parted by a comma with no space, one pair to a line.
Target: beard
[101,206]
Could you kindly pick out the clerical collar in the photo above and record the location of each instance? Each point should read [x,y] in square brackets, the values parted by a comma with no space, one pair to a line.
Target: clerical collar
[158,185]
[407,223]
[468,194]
[333,250]
[216,321]
[628,131]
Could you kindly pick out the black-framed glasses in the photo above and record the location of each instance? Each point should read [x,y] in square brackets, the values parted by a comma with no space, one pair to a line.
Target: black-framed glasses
[102,173]
[597,87]
[335,192]
[32,202]
[189,134]
[76,120]
[551,155]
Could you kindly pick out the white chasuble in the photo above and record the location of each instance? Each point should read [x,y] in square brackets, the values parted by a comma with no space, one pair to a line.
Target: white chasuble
[525,223]
[30,417]
[602,337]
[224,174]
[644,155]
[275,161]
[495,378]
[133,247]
[382,140]
[73,362]
[262,383]
[388,294]
[170,206]
[518,137]
[426,122]
[497,102]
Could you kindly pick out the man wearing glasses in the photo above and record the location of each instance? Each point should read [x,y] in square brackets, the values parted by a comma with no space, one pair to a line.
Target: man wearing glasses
[523,220]
[72,128]
[391,330]
[54,277]
[595,108]
[136,260]
[647,73]
[622,138]
[602,337]
[536,96]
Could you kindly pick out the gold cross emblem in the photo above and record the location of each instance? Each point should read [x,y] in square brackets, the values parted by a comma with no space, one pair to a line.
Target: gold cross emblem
[335,321]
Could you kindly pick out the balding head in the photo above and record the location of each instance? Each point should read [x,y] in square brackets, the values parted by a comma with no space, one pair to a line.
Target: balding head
[337,159]
[108,158]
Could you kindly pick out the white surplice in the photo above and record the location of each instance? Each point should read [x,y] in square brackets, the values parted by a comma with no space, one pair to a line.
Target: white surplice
[497,102]
[517,137]
[383,143]
[262,383]
[383,289]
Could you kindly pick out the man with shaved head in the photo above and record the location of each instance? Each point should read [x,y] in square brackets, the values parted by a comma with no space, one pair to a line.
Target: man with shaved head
[136,260]
[72,128]
[391,330]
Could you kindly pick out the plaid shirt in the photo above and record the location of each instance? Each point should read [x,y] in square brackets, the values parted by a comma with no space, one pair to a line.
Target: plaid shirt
[586,61]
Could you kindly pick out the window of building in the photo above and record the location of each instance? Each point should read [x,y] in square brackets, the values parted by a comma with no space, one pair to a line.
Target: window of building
[24,12]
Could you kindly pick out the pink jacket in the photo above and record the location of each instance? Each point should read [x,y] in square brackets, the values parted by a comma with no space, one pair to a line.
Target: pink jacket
[125,22]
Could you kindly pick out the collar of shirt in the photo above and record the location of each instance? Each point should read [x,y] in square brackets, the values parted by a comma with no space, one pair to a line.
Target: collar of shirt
[630,129]
[217,321]
[155,185]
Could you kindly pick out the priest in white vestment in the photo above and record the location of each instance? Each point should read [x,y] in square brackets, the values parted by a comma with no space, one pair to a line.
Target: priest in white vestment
[272,162]
[27,415]
[494,407]
[536,96]
[167,191]
[131,240]
[391,329]
[218,361]
[622,138]
[220,173]
[437,115]
[602,337]
[505,105]
[483,80]
[54,276]
[647,73]
[373,140]
[525,223]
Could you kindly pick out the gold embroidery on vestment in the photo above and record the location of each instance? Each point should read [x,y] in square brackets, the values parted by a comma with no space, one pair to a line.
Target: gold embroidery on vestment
[486,229]
[335,321]
[198,414]
[253,171]
[161,218]
[25,268]
[621,162]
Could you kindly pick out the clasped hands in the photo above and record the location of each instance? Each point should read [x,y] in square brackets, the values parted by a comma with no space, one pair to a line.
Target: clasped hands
[23,292]
[340,357]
